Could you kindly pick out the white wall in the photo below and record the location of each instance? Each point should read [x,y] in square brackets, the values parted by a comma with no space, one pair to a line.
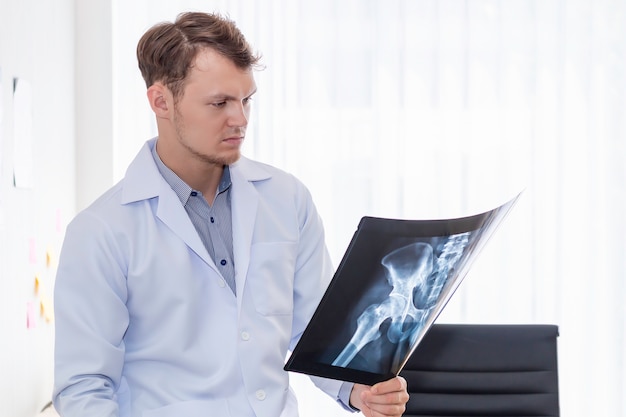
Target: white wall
[36,45]
[94,100]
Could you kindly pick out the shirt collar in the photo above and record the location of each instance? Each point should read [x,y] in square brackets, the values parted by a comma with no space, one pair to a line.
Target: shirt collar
[180,187]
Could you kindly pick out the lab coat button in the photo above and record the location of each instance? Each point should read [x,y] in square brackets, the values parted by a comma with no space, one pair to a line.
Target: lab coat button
[222,283]
[260,395]
[245,336]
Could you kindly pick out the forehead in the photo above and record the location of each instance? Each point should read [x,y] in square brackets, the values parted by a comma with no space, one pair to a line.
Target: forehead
[211,69]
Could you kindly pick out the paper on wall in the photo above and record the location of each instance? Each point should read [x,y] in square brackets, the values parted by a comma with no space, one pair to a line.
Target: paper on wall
[22,133]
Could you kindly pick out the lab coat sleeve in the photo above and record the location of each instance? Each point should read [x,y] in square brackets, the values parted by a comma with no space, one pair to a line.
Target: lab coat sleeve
[313,273]
[90,319]
[313,270]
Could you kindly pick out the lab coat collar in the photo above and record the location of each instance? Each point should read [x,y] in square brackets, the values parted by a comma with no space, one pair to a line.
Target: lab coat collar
[144,181]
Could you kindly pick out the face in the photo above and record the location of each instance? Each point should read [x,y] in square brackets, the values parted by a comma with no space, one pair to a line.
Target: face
[211,117]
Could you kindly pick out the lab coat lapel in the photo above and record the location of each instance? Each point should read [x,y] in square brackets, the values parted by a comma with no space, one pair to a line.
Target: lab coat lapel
[144,181]
[244,206]
[171,212]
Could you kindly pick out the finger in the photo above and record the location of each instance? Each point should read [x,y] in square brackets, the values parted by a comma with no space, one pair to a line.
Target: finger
[389,398]
[392,385]
[385,410]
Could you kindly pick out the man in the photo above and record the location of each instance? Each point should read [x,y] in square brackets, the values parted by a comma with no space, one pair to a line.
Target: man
[181,289]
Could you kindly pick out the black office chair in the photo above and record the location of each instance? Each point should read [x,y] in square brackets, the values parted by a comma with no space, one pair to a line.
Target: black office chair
[484,370]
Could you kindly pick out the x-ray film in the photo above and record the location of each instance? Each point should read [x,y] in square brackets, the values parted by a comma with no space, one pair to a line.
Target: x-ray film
[393,281]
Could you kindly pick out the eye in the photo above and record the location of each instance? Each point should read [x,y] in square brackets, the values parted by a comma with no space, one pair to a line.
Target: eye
[218,104]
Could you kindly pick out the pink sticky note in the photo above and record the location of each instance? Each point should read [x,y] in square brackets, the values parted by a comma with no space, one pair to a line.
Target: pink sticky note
[31,317]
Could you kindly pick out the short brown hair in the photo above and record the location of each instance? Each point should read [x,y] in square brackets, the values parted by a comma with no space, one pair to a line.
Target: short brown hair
[167,50]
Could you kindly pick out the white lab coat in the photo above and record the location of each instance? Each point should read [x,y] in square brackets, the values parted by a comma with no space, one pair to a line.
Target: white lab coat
[147,327]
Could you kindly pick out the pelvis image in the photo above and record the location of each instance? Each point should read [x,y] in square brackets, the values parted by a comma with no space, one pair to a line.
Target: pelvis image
[397,308]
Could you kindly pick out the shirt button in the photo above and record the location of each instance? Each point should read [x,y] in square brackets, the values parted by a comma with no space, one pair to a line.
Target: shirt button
[193,193]
[260,395]
[245,336]
[223,262]
[212,219]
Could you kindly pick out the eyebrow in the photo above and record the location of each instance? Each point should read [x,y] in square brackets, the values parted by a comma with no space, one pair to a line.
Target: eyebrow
[229,97]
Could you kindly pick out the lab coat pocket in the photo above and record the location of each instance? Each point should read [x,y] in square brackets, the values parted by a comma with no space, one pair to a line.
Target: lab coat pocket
[270,277]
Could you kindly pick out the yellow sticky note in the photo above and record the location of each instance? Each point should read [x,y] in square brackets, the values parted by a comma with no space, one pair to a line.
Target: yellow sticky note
[45,306]
[50,258]
[37,284]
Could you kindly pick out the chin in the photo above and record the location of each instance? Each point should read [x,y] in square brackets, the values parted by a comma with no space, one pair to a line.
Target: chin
[231,159]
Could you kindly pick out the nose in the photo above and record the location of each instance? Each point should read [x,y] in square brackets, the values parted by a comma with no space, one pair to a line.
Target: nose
[239,114]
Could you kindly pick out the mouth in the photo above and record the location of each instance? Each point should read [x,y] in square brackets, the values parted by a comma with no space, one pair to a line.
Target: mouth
[234,140]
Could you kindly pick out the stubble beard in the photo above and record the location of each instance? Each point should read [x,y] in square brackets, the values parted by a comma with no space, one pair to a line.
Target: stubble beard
[224,160]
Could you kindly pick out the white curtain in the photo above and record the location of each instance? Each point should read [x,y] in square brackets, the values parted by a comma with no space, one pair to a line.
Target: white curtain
[434,108]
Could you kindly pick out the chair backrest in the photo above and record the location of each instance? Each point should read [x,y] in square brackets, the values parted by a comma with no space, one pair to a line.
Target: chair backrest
[484,370]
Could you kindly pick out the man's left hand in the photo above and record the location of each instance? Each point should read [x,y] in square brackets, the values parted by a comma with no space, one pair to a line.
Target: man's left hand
[385,399]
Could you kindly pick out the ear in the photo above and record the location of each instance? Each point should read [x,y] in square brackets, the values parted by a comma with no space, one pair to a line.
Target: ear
[159,98]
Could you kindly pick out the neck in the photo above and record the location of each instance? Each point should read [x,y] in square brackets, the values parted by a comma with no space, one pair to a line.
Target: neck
[199,174]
